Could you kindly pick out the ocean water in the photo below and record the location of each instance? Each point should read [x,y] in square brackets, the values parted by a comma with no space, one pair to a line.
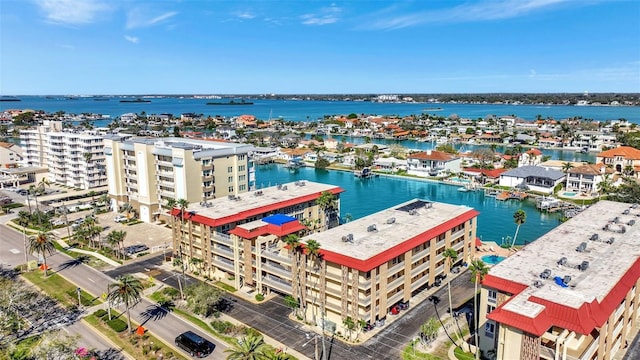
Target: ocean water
[366,196]
[302,110]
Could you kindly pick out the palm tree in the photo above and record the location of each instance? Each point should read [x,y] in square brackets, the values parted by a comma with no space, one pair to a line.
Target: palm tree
[293,242]
[327,202]
[183,204]
[519,217]
[450,256]
[478,271]
[605,186]
[43,245]
[349,324]
[566,166]
[116,237]
[127,290]
[251,347]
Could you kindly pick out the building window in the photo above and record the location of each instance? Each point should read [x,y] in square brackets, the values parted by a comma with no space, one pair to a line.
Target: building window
[241,157]
[230,178]
[492,296]
[490,308]
[230,189]
[230,169]
[489,329]
[243,187]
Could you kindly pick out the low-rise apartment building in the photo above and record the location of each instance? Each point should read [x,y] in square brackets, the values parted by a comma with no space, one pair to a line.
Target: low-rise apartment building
[148,172]
[571,294]
[228,234]
[73,158]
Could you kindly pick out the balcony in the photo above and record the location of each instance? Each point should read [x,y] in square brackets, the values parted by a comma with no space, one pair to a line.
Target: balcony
[277,283]
[277,269]
[223,263]
[222,250]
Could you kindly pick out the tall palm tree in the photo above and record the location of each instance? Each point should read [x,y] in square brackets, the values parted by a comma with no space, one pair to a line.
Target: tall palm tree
[349,324]
[519,217]
[183,204]
[327,202]
[450,256]
[127,290]
[293,242]
[478,271]
[251,347]
[42,243]
[116,237]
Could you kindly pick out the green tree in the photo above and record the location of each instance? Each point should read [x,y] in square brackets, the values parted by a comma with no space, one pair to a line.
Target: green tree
[519,217]
[292,303]
[116,238]
[251,347]
[429,330]
[478,271]
[349,325]
[447,148]
[328,204]
[295,248]
[203,299]
[127,290]
[42,244]
[321,163]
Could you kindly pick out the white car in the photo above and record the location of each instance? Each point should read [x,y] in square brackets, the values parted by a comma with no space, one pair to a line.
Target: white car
[120,218]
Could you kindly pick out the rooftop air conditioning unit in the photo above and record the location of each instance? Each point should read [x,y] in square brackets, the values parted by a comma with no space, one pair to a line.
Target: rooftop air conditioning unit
[562,261]
[413,212]
[611,240]
[284,187]
[350,237]
[391,220]
[566,280]
[631,222]
[616,220]
[582,247]
[594,237]
[372,228]
[545,274]
[626,212]
[231,197]
[279,186]
[584,265]
[537,283]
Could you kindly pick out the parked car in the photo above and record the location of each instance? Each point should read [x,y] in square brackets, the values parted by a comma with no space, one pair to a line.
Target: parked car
[120,218]
[134,249]
[194,344]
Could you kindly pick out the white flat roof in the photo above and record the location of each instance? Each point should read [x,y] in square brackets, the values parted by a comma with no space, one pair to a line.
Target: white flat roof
[287,192]
[607,262]
[388,234]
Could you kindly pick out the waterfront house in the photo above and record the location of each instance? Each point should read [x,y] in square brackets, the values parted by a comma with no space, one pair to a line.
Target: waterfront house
[290,140]
[535,178]
[289,154]
[485,176]
[624,160]
[389,164]
[532,157]
[433,163]
[585,178]
[570,294]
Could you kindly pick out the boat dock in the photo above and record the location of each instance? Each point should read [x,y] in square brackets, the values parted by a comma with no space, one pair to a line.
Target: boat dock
[511,195]
[550,205]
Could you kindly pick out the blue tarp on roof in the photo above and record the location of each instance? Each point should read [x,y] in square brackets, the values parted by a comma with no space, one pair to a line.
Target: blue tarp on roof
[560,282]
[278,219]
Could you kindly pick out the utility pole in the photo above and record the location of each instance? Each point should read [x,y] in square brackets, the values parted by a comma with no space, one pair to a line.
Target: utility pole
[315,339]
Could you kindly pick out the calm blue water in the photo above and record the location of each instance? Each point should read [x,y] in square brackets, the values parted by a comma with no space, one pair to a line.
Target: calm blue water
[492,259]
[366,196]
[312,110]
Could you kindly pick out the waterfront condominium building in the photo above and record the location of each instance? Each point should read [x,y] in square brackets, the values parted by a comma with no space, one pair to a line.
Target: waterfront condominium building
[571,294]
[364,267]
[241,236]
[73,158]
[145,173]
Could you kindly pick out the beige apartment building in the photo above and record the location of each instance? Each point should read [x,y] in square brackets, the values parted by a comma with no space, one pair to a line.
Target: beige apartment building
[572,294]
[147,172]
[73,158]
[365,266]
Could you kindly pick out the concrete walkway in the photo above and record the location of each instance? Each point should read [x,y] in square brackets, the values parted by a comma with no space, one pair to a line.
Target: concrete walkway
[87,252]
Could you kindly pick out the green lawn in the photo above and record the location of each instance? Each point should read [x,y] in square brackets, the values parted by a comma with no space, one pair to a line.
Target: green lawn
[461,355]
[60,289]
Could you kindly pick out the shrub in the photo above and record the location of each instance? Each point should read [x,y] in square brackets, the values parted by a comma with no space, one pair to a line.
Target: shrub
[100,313]
[249,331]
[171,292]
[223,327]
[259,297]
[117,325]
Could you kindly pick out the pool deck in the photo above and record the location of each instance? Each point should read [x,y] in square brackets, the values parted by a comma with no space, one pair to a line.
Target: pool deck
[491,248]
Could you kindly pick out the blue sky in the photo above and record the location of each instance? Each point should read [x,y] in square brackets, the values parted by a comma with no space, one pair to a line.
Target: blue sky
[318,47]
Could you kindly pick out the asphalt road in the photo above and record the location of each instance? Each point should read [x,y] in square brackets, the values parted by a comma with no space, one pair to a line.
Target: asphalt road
[162,324]
[271,317]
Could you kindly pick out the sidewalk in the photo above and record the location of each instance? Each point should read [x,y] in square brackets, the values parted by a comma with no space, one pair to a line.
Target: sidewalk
[87,252]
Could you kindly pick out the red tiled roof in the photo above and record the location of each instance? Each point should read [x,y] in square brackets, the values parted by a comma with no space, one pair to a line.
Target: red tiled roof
[278,230]
[534,152]
[627,152]
[434,155]
[493,173]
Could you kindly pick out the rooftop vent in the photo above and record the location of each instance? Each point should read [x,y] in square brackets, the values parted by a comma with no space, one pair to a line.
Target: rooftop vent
[626,212]
[413,212]
[566,280]
[372,228]
[537,283]
[634,206]
[610,241]
[545,274]
[258,193]
[562,261]
[428,205]
[348,238]
[583,266]
[299,183]
[279,186]
[284,187]
[631,222]
[616,220]
[594,237]
[582,247]
[231,197]
[391,220]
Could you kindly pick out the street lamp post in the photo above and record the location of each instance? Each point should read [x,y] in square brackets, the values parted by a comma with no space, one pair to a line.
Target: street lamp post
[79,291]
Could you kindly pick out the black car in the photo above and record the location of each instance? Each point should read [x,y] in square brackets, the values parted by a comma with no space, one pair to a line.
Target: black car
[194,344]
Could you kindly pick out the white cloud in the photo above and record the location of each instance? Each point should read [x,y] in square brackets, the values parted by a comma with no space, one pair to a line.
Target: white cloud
[245,15]
[138,18]
[487,10]
[326,15]
[72,12]
[132,39]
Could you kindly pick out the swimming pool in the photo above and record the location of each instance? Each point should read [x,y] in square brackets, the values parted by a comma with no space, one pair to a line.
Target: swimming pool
[492,259]
[458,180]
[569,194]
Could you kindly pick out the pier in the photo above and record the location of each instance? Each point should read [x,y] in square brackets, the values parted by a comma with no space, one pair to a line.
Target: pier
[511,195]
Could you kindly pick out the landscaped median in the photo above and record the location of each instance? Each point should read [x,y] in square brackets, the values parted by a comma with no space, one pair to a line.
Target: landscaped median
[137,346]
